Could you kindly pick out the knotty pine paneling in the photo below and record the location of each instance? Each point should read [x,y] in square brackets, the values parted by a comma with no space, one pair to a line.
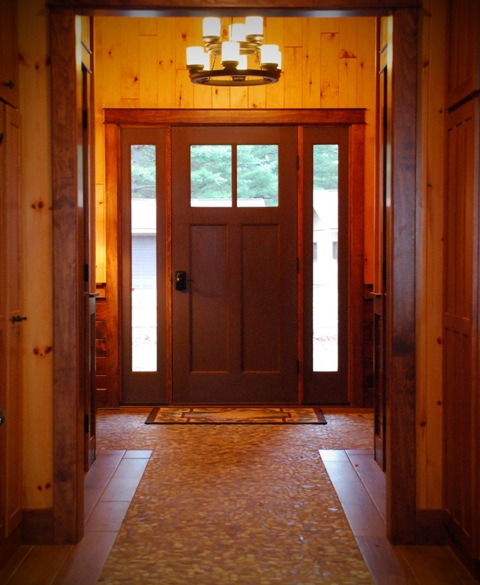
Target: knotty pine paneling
[38,281]
[430,251]
[328,63]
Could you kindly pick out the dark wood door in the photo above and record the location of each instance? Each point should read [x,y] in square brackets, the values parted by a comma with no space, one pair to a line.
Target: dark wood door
[460,368]
[11,323]
[234,260]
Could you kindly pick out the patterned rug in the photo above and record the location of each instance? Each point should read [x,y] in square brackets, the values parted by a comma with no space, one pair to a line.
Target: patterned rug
[235,415]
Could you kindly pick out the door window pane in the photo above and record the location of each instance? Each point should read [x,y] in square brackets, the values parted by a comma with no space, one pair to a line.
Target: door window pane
[144,257]
[211,175]
[325,258]
[257,175]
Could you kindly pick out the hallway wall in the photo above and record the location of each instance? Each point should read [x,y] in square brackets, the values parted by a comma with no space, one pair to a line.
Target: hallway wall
[34,75]
[120,84]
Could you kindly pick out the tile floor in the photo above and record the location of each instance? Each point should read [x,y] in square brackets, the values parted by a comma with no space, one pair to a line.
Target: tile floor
[119,543]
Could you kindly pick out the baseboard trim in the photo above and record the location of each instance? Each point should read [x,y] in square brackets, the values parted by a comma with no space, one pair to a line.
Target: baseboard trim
[9,545]
[37,526]
[472,565]
[430,528]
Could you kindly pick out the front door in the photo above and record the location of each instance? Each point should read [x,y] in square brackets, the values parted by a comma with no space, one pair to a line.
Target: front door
[241,263]
[234,265]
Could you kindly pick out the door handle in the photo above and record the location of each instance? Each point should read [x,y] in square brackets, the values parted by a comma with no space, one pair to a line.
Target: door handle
[18,319]
[180,280]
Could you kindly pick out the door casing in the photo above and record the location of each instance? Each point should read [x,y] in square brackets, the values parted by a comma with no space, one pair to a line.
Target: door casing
[352,119]
[400,338]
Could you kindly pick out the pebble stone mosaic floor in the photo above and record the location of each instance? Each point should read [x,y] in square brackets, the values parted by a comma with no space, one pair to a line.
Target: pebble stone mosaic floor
[235,504]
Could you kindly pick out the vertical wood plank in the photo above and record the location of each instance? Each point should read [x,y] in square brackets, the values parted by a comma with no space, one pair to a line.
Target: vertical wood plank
[329,44]
[294,32]
[292,77]
[429,377]
[130,57]
[311,76]
[221,97]
[348,51]
[68,427]
[34,80]
[401,317]
[147,71]
[257,97]
[239,97]
[109,60]
[166,63]
[112,218]
[184,35]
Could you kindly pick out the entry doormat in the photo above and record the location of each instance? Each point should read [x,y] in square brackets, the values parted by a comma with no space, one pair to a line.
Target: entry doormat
[211,415]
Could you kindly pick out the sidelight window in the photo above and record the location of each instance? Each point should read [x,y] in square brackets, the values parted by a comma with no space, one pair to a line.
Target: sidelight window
[144,257]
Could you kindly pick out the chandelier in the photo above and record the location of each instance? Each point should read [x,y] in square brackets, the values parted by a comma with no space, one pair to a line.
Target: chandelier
[245,39]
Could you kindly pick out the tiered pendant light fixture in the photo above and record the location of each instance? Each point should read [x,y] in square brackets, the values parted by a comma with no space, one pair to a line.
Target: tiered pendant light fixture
[244,39]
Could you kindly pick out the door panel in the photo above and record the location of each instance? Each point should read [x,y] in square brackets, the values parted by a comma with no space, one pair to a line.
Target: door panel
[235,324]
[11,323]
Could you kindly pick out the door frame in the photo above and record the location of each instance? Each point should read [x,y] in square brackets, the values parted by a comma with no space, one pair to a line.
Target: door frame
[401,312]
[353,119]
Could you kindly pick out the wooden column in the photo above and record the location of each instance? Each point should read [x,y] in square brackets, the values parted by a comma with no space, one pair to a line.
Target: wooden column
[68,410]
[401,268]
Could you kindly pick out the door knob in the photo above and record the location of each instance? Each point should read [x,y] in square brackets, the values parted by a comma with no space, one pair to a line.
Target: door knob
[180,280]
[2,417]
[18,319]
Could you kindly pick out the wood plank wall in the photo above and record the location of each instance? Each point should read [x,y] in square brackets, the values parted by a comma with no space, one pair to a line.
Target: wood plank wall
[430,257]
[328,63]
[34,74]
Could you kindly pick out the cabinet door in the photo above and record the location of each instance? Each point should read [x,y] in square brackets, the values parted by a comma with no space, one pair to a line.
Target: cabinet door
[464,50]
[11,323]
[461,393]
[8,52]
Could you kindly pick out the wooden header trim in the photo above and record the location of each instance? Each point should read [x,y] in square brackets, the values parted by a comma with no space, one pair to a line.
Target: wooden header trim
[155,117]
[326,8]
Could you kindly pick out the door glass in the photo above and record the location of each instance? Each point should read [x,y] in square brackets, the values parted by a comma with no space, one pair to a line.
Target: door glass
[325,258]
[144,257]
[211,175]
[257,175]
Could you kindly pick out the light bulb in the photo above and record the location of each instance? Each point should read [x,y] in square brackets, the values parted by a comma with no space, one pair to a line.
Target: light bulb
[230,54]
[196,58]
[211,29]
[237,32]
[254,26]
[270,57]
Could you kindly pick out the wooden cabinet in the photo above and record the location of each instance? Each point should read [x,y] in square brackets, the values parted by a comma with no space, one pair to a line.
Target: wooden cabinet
[12,321]
[8,52]
[463,73]
[461,329]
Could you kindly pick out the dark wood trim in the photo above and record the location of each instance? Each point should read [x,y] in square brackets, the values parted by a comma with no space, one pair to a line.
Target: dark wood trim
[401,269]
[112,146]
[68,408]
[401,478]
[356,228]
[431,528]
[155,117]
[9,545]
[326,8]
[37,526]
[116,119]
